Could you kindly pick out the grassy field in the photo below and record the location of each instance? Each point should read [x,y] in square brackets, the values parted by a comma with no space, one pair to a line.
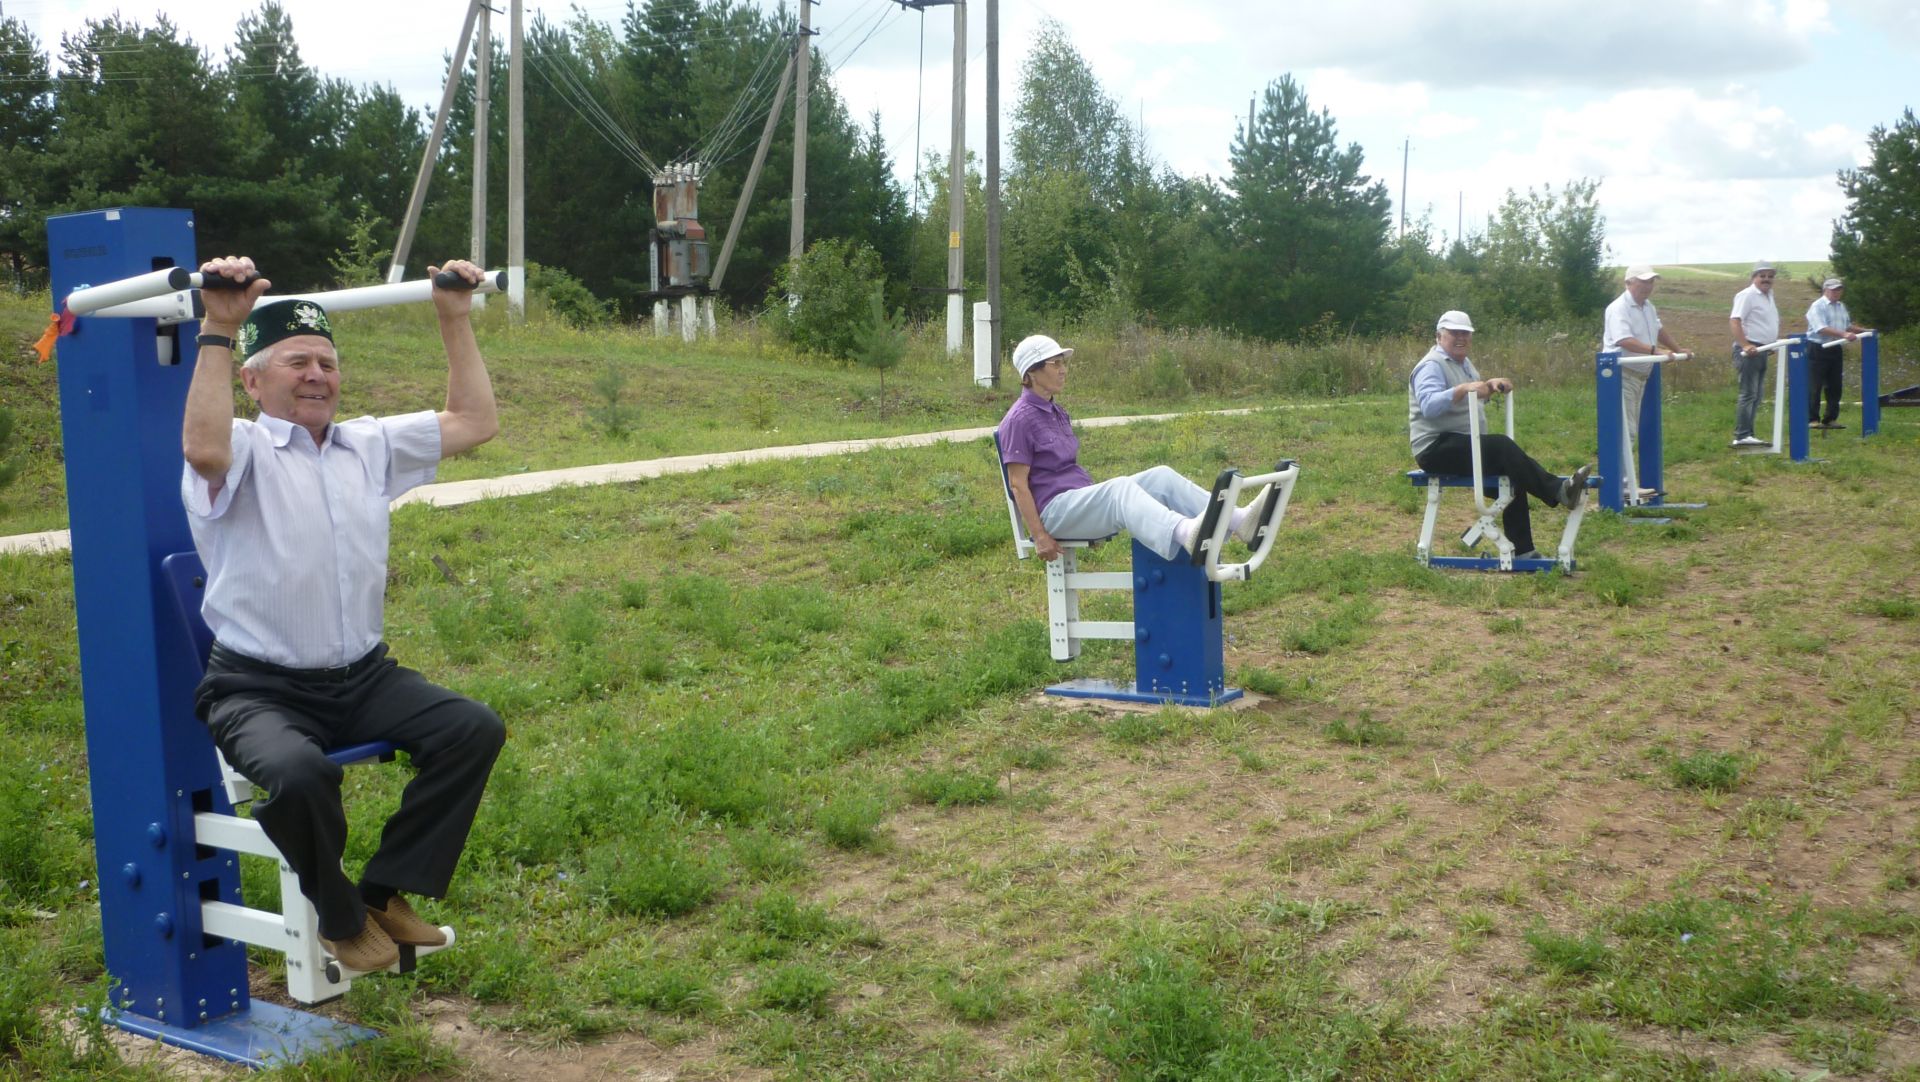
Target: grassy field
[780,800]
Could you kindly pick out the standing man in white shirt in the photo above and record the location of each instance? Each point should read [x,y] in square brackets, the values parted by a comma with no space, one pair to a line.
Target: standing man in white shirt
[1828,326]
[1632,326]
[1756,323]
[289,514]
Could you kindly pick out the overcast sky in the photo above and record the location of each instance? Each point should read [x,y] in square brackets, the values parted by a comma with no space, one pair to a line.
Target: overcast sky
[1715,126]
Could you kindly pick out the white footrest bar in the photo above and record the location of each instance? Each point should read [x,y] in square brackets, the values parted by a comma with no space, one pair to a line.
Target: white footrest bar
[216,831]
[1100,629]
[1099,580]
[258,927]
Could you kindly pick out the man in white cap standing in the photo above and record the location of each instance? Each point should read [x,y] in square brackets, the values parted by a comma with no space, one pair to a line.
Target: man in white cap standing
[1632,326]
[1443,387]
[1756,323]
[1828,326]
[1056,497]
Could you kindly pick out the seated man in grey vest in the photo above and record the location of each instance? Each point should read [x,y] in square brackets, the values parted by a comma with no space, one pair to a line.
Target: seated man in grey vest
[289,514]
[1443,387]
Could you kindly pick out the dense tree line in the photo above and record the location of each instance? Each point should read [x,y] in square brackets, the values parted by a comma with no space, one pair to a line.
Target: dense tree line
[312,175]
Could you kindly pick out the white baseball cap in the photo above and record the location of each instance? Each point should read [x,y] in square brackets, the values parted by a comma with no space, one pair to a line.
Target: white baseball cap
[1641,273]
[1455,320]
[1035,350]
[1833,283]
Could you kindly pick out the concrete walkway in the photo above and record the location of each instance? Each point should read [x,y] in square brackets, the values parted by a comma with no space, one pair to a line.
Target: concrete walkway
[455,493]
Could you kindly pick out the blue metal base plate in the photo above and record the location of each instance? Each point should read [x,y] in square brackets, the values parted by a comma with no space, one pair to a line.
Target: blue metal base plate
[263,1035]
[1492,563]
[1131,693]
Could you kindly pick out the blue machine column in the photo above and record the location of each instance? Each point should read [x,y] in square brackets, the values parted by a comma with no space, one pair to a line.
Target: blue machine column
[1651,446]
[1870,385]
[1797,443]
[1608,424]
[1179,639]
[123,387]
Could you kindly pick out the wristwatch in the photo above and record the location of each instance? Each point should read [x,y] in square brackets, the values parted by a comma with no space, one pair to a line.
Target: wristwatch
[205,340]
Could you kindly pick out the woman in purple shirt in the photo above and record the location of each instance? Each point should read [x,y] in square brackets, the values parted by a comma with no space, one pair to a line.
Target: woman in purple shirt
[1056,497]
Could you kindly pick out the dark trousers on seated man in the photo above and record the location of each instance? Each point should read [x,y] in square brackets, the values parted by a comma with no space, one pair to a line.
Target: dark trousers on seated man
[1452,453]
[1823,372]
[274,725]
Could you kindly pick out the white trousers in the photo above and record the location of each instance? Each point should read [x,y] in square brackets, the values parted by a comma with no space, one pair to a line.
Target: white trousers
[1148,505]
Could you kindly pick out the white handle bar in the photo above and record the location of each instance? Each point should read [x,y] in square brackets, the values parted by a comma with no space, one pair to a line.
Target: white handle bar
[163,295]
[1473,433]
[1658,358]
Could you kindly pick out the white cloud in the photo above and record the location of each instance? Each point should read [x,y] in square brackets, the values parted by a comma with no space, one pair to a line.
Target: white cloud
[1536,43]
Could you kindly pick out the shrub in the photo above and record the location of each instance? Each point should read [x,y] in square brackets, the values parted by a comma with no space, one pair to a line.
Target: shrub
[831,286]
[566,298]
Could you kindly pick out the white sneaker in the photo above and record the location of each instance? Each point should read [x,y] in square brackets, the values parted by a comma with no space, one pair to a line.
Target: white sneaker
[1750,441]
[1247,519]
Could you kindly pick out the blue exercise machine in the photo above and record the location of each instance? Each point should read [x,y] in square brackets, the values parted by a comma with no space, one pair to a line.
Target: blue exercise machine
[1629,469]
[166,839]
[1179,651]
[1486,524]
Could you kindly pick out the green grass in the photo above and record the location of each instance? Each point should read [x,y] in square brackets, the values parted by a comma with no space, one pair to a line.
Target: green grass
[780,797]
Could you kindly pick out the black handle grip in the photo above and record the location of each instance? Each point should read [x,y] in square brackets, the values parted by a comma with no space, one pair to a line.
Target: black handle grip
[222,282]
[447,279]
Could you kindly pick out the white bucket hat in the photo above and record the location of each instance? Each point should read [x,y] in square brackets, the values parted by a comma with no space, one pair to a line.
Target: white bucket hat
[1035,350]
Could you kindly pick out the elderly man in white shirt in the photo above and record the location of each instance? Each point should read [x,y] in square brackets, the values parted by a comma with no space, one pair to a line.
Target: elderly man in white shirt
[1828,326]
[1756,323]
[1632,326]
[289,514]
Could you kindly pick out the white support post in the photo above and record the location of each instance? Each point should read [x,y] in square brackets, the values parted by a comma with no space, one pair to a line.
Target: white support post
[689,317]
[983,343]
[660,318]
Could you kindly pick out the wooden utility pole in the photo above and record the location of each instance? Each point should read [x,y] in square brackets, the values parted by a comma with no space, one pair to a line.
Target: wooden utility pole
[993,181]
[516,168]
[482,95]
[753,175]
[397,269]
[957,189]
[803,56]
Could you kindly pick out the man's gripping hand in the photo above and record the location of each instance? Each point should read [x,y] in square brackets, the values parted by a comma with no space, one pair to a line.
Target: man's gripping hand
[455,303]
[228,308]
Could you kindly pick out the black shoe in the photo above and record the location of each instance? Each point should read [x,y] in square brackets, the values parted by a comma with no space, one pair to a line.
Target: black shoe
[1574,489]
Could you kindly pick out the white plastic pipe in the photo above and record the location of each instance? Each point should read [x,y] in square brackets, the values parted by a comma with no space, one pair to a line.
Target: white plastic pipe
[168,308]
[90,299]
[353,300]
[1658,358]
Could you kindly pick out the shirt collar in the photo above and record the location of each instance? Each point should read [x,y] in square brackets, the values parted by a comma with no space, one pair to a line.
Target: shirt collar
[1038,402]
[282,431]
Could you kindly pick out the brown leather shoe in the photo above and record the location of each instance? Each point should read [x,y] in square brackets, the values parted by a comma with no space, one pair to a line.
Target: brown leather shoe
[367,951]
[403,925]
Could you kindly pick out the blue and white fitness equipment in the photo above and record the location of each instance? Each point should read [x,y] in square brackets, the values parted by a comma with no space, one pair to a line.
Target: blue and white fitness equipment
[1179,651]
[1628,469]
[1486,525]
[166,839]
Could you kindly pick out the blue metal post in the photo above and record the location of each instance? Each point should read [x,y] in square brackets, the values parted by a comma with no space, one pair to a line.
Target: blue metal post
[1651,445]
[151,766]
[1179,643]
[1870,385]
[1608,423]
[1797,444]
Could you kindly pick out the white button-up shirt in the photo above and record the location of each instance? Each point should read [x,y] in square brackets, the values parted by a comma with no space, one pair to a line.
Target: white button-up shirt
[1626,319]
[1759,319]
[295,543]
[1829,314]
